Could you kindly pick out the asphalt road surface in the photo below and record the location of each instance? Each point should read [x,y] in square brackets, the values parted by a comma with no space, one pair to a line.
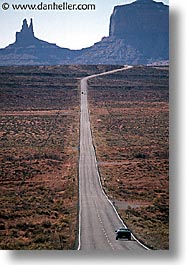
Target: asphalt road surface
[98,218]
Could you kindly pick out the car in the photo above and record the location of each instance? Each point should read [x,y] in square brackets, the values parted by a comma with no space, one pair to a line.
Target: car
[123,233]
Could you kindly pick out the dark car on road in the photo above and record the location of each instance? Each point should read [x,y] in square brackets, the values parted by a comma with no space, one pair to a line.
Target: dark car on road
[123,233]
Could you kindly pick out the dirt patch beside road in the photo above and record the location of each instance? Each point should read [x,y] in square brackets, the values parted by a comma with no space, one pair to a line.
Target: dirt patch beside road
[130,123]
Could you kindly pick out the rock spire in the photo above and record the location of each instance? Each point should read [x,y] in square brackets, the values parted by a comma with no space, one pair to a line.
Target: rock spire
[26,35]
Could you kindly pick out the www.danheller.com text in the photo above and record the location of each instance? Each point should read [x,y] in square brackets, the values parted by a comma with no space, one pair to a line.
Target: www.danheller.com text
[65,6]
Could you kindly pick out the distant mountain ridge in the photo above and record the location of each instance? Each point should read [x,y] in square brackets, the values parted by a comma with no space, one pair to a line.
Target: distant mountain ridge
[138,34]
[29,50]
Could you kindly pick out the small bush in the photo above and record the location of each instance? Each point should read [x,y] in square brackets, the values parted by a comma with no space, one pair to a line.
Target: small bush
[141,156]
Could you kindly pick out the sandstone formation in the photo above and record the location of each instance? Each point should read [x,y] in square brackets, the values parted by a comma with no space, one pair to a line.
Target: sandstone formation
[26,35]
[144,25]
[138,34]
[29,50]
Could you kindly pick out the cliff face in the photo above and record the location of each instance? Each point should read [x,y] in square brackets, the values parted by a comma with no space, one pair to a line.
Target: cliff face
[138,34]
[141,18]
[144,25]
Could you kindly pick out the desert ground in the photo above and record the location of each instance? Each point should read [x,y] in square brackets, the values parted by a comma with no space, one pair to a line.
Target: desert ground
[130,123]
[39,152]
[39,141]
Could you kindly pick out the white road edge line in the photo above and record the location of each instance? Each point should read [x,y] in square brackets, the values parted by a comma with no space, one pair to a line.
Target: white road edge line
[126,67]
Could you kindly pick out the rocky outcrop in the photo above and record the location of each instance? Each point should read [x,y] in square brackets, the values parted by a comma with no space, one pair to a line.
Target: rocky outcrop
[26,35]
[138,34]
[29,50]
[109,50]
[144,25]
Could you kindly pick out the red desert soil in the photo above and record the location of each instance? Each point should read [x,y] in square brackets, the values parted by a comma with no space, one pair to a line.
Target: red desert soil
[39,139]
[130,123]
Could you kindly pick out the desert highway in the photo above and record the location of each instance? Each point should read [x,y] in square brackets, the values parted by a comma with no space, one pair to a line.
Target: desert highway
[98,218]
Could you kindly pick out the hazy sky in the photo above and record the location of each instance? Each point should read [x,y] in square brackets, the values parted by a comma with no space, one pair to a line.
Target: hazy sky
[71,29]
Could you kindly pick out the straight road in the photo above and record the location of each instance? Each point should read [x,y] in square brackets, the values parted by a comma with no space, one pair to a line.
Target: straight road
[98,218]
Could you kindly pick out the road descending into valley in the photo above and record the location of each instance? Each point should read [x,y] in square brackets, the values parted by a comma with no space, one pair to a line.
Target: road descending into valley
[98,219]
